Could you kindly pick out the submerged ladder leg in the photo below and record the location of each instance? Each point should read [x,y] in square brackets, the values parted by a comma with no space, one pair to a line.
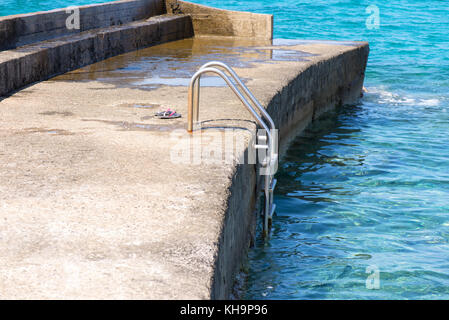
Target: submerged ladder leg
[267,218]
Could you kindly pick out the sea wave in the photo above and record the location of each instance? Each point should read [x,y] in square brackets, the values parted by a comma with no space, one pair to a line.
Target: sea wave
[383,96]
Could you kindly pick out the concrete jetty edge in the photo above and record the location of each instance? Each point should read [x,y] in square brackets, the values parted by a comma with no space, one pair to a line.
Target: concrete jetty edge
[330,76]
[305,94]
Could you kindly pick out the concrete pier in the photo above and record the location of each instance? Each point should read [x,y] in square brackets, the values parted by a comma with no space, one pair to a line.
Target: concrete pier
[92,203]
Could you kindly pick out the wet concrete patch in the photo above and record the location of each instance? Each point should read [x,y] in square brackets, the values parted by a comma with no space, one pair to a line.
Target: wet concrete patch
[156,82]
[174,63]
[139,105]
[290,55]
[133,126]
[59,132]
[170,64]
[58,113]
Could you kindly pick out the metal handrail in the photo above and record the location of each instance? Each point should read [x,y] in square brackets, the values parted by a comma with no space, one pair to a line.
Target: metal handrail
[248,93]
[244,87]
[193,113]
[193,83]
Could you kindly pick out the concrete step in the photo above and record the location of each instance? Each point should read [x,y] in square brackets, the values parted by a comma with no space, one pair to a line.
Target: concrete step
[39,61]
[23,29]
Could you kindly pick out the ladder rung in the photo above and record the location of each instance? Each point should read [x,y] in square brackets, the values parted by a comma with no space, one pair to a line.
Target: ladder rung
[261,146]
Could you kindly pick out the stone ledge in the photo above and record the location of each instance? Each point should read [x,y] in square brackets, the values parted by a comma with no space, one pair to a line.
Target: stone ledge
[23,29]
[212,21]
[36,62]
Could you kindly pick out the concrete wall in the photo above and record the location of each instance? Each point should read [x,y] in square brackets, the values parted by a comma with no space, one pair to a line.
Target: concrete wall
[32,63]
[19,30]
[212,21]
[238,232]
[318,88]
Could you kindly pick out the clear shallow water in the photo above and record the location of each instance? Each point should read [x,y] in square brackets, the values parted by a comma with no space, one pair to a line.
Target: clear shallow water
[366,185]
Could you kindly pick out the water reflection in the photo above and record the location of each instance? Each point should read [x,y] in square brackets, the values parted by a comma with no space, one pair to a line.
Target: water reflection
[175,62]
[317,152]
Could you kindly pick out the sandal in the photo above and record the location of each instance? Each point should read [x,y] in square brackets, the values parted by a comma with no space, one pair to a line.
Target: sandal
[168,114]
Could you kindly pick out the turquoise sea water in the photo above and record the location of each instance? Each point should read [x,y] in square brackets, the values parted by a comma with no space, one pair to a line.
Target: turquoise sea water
[367,186]
[9,7]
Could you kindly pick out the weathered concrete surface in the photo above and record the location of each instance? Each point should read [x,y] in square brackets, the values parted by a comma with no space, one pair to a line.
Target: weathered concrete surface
[22,29]
[91,205]
[213,21]
[35,62]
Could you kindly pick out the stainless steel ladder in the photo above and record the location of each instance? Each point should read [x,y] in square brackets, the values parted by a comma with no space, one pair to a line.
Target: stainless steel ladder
[267,141]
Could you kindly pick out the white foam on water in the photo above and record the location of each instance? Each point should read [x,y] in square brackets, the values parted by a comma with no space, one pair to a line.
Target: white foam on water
[429,102]
[382,96]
